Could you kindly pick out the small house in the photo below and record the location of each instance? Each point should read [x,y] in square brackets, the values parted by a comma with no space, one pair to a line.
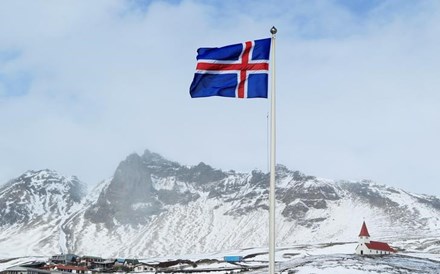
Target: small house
[104,266]
[130,263]
[144,268]
[90,261]
[64,259]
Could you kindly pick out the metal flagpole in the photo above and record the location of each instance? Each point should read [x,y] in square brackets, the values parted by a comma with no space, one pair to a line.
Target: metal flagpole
[273,30]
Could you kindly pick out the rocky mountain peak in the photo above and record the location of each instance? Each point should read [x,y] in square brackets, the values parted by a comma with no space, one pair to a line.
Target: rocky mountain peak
[153,158]
[38,195]
[203,174]
[130,196]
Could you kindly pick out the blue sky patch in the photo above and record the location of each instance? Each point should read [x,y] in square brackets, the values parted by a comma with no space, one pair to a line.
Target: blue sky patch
[8,55]
[15,85]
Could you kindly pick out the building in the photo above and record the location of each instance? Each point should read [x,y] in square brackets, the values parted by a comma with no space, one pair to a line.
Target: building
[71,269]
[144,268]
[368,247]
[104,266]
[90,261]
[24,270]
[64,259]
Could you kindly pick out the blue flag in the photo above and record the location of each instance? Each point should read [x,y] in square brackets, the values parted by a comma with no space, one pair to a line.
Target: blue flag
[240,71]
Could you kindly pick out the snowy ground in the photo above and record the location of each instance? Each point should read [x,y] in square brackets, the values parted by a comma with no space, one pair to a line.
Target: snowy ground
[6,263]
[335,258]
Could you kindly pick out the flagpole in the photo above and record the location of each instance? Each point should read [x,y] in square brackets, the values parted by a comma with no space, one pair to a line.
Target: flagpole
[273,31]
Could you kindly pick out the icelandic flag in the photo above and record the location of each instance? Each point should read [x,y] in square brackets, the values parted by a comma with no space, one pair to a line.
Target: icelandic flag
[240,71]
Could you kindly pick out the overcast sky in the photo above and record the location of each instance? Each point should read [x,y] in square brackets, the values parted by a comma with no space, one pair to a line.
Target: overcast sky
[83,84]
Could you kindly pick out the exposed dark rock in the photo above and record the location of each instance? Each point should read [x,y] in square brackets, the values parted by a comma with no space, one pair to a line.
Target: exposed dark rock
[200,174]
[130,198]
[172,197]
[312,191]
[295,211]
[364,192]
[318,204]
[432,201]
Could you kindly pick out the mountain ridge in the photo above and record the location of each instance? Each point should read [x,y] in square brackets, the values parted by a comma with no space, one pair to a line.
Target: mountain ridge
[153,207]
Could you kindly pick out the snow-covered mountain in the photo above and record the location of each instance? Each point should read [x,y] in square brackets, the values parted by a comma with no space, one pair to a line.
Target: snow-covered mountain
[32,210]
[155,207]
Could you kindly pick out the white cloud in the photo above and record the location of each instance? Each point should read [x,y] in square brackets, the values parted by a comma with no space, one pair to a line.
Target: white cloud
[357,92]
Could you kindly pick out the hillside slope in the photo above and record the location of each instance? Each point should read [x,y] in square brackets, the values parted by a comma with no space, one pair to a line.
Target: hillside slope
[155,207]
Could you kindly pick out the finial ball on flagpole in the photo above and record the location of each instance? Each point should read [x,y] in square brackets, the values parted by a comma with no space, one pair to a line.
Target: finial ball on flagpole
[273,30]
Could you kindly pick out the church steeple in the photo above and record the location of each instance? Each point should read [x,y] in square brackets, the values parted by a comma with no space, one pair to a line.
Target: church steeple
[364,236]
[364,231]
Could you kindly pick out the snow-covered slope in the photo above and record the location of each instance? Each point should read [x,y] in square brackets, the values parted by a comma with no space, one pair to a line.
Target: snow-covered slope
[328,258]
[33,208]
[155,207]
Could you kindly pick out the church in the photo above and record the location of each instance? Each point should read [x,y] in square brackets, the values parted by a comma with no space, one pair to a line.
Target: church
[367,247]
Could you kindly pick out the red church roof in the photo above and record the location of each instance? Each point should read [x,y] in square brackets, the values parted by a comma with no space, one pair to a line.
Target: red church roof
[379,246]
[364,231]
